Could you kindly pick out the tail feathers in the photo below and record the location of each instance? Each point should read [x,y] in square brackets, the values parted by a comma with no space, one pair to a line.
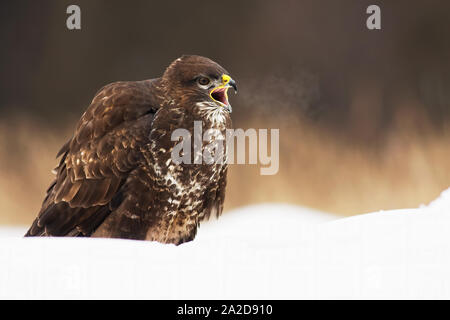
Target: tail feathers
[59,220]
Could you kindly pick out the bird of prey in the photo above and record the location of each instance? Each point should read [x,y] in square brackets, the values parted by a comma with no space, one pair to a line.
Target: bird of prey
[116,177]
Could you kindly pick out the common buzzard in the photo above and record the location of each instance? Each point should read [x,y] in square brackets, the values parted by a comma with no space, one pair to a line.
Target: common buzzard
[116,177]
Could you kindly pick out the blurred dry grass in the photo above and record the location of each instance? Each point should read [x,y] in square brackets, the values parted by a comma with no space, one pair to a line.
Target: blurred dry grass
[320,171]
[317,169]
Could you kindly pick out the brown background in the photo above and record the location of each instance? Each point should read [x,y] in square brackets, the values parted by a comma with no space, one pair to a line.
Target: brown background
[363,115]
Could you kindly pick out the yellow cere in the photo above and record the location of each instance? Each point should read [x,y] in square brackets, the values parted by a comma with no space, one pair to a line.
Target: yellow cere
[225,79]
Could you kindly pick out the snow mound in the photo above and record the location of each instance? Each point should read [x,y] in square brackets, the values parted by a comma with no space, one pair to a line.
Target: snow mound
[443,202]
[269,251]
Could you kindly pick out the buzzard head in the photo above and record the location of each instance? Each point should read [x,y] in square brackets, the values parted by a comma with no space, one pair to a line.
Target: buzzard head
[196,79]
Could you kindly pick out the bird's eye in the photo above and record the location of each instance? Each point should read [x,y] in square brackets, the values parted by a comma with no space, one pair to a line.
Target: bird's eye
[203,81]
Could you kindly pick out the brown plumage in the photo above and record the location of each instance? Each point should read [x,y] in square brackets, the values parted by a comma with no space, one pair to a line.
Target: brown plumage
[116,178]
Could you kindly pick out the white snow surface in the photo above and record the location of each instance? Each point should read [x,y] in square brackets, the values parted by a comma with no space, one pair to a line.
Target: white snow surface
[267,251]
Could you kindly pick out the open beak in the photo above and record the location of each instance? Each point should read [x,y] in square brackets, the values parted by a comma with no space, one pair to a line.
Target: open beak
[220,93]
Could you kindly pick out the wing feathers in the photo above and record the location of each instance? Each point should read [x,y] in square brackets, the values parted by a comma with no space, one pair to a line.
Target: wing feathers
[69,195]
[96,162]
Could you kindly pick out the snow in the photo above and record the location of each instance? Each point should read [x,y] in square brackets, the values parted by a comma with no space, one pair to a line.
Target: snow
[268,251]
